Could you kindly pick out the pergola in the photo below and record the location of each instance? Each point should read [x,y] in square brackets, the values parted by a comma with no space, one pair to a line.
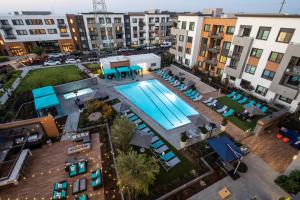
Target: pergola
[136,68]
[124,70]
[109,72]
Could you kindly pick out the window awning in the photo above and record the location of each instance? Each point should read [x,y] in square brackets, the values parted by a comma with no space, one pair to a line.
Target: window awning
[46,102]
[123,69]
[43,91]
[109,71]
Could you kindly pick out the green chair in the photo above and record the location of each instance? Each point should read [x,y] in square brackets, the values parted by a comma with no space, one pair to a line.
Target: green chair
[96,174]
[82,167]
[59,195]
[63,185]
[97,183]
[73,170]
[83,197]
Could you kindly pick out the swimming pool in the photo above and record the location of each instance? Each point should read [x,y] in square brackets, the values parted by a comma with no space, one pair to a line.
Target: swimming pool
[158,102]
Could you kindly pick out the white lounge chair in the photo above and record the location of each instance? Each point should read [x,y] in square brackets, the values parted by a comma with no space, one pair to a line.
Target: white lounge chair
[212,103]
[222,109]
[162,149]
[184,88]
[137,121]
[176,83]
[208,100]
[198,98]
[130,115]
[146,130]
[173,162]
[154,139]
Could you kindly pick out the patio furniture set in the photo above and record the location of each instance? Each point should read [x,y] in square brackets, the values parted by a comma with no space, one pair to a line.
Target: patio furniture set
[82,142]
[287,135]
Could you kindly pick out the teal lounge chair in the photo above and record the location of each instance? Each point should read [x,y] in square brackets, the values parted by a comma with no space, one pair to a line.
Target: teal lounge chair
[96,174]
[264,109]
[228,113]
[166,77]
[83,197]
[59,195]
[192,93]
[157,144]
[258,105]
[172,80]
[142,126]
[180,86]
[237,97]
[242,101]
[133,118]
[187,92]
[168,156]
[82,167]
[231,94]
[61,186]
[194,96]
[250,103]
[97,183]
[73,170]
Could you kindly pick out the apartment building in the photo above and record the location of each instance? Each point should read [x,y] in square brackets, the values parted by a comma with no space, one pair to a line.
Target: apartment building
[25,30]
[216,36]
[148,28]
[78,32]
[105,30]
[264,57]
[186,38]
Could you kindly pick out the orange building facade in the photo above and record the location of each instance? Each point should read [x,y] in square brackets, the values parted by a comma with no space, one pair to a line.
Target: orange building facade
[216,36]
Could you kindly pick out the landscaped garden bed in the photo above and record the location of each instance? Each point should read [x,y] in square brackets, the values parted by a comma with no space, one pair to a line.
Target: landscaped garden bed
[9,77]
[93,67]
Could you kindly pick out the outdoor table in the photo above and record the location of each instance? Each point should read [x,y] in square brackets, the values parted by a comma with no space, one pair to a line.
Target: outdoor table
[224,193]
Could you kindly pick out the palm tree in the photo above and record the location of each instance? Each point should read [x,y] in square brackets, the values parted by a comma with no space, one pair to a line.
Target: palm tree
[122,131]
[137,172]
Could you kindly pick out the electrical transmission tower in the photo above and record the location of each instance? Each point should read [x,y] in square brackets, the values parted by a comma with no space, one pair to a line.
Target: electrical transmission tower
[282,4]
[99,7]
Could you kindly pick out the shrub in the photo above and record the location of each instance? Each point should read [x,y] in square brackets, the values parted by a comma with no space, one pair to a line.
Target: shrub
[3,58]
[224,122]
[290,183]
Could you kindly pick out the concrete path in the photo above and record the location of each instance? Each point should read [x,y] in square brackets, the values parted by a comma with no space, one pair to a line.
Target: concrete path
[84,69]
[71,125]
[257,182]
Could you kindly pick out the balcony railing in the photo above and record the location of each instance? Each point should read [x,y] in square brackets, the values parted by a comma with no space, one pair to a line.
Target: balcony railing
[6,27]
[215,49]
[211,61]
[234,54]
[224,52]
[61,25]
[10,37]
[219,35]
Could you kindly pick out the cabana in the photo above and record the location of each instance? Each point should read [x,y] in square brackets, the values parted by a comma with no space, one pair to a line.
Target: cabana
[110,72]
[136,69]
[44,99]
[226,149]
[123,71]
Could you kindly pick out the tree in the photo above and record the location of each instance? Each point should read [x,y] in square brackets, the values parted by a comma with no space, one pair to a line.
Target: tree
[137,172]
[167,59]
[38,50]
[122,131]
[107,112]
[93,106]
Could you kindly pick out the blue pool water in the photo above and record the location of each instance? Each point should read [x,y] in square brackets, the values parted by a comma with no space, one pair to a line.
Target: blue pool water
[158,102]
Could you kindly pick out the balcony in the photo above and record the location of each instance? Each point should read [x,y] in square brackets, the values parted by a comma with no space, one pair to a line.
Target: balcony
[141,24]
[225,52]
[6,27]
[10,37]
[211,61]
[215,49]
[62,25]
[294,70]
[64,34]
[216,35]
[235,55]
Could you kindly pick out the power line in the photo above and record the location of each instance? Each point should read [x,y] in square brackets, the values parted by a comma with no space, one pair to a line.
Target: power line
[282,4]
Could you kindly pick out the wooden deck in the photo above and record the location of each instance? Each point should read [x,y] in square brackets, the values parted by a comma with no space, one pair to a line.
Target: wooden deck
[46,166]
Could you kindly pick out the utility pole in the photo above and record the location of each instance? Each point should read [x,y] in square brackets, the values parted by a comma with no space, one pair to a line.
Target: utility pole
[282,4]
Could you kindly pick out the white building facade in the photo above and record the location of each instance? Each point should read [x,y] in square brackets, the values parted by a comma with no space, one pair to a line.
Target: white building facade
[265,55]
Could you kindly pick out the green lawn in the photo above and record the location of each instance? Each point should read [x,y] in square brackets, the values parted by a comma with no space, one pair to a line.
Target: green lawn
[49,76]
[244,125]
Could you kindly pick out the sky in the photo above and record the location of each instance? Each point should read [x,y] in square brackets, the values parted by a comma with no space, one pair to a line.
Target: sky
[77,6]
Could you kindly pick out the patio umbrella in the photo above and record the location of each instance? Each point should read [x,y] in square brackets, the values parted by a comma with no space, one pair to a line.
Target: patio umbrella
[124,106]
[141,140]
[254,110]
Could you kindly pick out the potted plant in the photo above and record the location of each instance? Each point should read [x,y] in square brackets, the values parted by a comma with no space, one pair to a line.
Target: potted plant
[203,132]
[223,125]
[183,139]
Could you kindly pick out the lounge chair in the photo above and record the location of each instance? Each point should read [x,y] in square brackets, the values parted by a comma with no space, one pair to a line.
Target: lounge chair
[157,144]
[154,139]
[172,80]
[237,97]
[198,98]
[82,167]
[75,187]
[82,185]
[207,100]
[242,101]
[212,103]
[173,162]
[63,185]
[258,105]
[176,83]
[131,119]
[137,121]
[250,103]
[162,149]
[168,77]
[130,115]
[83,197]
[183,88]
[142,126]
[59,195]
[126,111]
[231,94]
[264,109]
[73,170]
[228,113]
[222,109]
[180,86]
[146,130]
[96,174]
[195,95]
[168,156]
[96,184]
[192,93]
[188,91]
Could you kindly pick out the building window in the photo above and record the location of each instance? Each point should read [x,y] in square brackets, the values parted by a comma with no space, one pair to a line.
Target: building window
[183,25]
[162,27]
[267,74]
[285,99]
[108,20]
[202,53]
[134,20]
[250,69]
[294,80]
[230,30]
[275,57]
[223,59]
[63,30]
[263,33]
[261,90]
[75,38]
[52,31]
[190,39]
[180,48]
[17,22]
[256,52]
[4,22]
[50,21]
[101,20]
[34,22]
[117,20]
[192,26]
[285,35]
[22,32]
[83,38]
[60,21]
[90,20]
[153,64]
[181,38]
[188,50]
[71,21]
[187,61]
[37,31]
[163,19]
[73,30]
[206,27]
[226,45]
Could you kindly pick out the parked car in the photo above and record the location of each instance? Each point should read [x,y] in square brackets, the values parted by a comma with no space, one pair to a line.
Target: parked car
[149,47]
[166,44]
[125,49]
[72,61]
[55,55]
[52,62]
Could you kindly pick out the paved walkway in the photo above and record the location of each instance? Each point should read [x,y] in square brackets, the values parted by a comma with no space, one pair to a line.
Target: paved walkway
[71,125]
[85,70]
[257,182]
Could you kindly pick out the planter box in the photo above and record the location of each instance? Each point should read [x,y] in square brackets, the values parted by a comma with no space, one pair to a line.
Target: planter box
[203,136]
[183,144]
